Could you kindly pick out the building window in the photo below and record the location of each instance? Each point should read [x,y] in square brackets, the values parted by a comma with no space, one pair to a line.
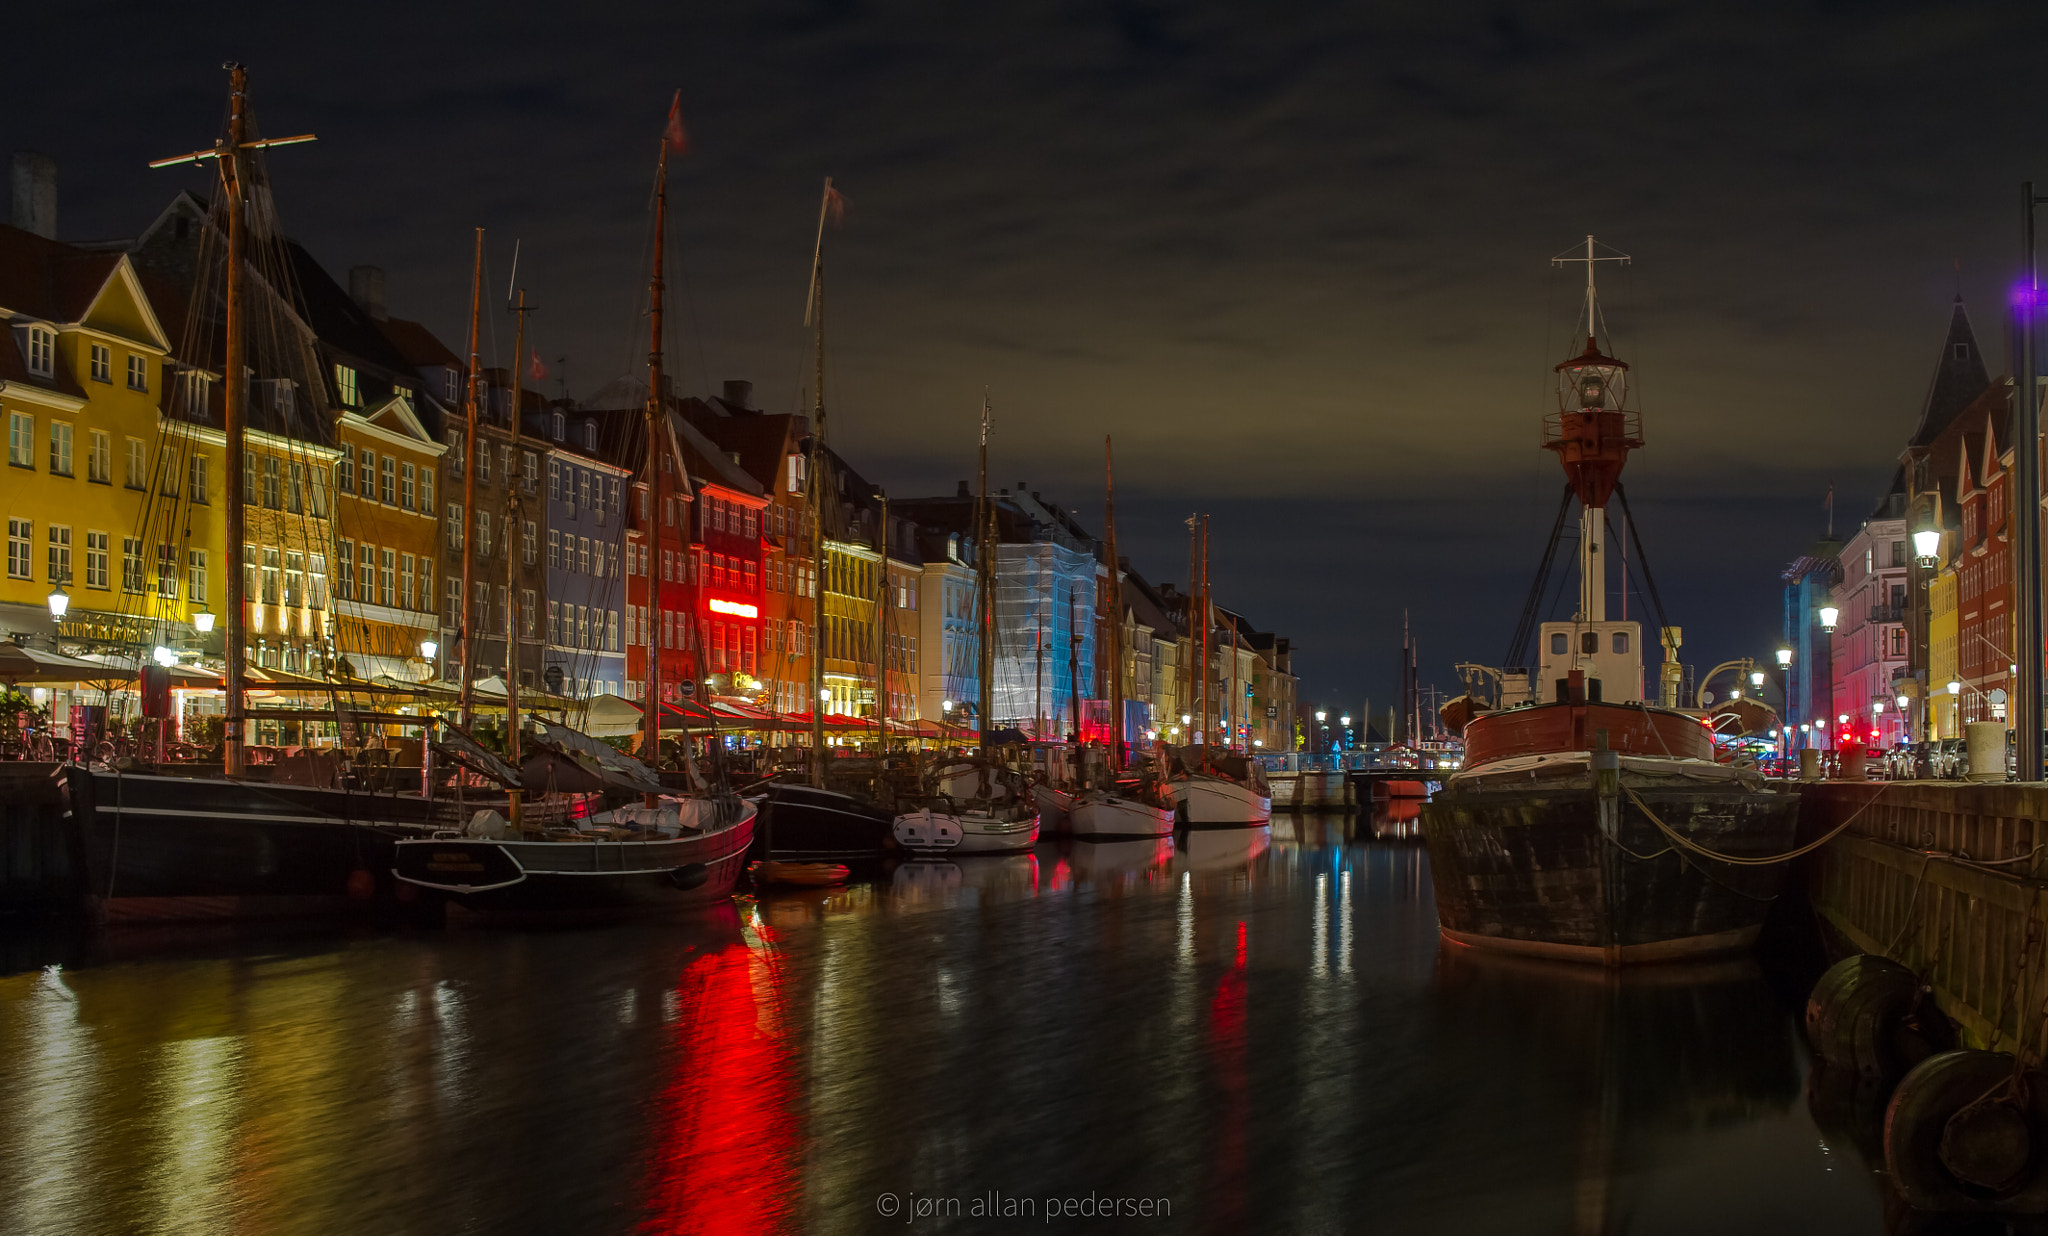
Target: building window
[60,554]
[457,458]
[405,581]
[102,363]
[451,385]
[345,561]
[526,608]
[366,574]
[99,457]
[131,564]
[294,494]
[167,570]
[18,533]
[270,575]
[198,470]
[42,351]
[554,548]
[60,448]
[387,578]
[529,547]
[138,373]
[483,533]
[583,555]
[21,439]
[390,478]
[426,587]
[611,630]
[583,626]
[195,571]
[454,524]
[366,474]
[345,472]
[530,472]
[273,484]
[96,560]
[483,464]
[345,386]
[452,615]
[560,425]
[138,464]
[554,480]
[505,464]
[582,488]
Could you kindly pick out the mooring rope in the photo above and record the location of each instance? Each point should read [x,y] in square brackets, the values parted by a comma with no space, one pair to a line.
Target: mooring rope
[1743,861]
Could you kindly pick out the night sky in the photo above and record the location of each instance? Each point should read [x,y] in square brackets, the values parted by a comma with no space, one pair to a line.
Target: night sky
[1294,256]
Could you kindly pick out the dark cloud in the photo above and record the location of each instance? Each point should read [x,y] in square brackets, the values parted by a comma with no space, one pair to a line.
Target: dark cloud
[1293,255]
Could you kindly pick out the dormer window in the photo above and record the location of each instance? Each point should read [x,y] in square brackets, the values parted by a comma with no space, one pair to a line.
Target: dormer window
[590,435]
[42,351]
[561,426]
[451,385]
[347,387]
[281,397]
[1962,351]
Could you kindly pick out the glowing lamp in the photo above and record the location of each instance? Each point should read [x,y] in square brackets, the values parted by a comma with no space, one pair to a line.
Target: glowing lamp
[1185,718]
[737,609]
[1804,728]
[1258,742]
[1321,715]
[60,601]
[428,648]
[1784,656]
[164,656]
[1828,614]
[1926,544]
[1902,703]
[1954,687]
[202,620]
[1756,678]
[1843,719]
[1343,720]
[824,695]
[945,705]
[1735,693]
[1876,706]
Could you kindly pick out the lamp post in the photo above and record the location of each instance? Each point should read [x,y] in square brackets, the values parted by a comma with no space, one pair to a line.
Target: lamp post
[1828,615]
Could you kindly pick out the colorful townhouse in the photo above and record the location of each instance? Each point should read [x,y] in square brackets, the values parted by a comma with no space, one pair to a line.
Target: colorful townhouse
[583,522]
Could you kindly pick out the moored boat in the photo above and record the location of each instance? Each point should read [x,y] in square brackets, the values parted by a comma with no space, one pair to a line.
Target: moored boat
[1587,823]
[1225,791]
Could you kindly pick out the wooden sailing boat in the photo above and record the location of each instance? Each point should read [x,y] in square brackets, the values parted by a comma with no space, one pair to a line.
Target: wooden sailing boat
[1214,789]
[979,805]
[668,850]
[1119,806]
[237,843]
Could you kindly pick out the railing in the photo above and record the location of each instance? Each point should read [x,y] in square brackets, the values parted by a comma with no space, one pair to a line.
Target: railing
[1888,613]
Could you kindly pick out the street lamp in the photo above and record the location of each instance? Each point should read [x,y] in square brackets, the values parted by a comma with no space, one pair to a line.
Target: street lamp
[60,601]
[1926,543]
[1321,715]
[202,620]
[164,656]
[1784,658]
[1756,678]
[428,648]
[1828,614]
[1954,687]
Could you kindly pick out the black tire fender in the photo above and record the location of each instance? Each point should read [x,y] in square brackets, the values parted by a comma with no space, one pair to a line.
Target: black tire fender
[1920,1113]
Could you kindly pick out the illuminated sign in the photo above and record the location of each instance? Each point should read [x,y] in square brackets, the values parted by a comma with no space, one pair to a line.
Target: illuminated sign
[735,608]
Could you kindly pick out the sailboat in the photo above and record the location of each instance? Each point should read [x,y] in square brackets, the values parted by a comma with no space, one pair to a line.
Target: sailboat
[154,845]
[665,851]
[1119,805]
[1214,791]
[977,805]
[1588,823]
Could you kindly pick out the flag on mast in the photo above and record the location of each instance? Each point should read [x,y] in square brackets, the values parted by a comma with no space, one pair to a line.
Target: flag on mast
[678,140]
[535,371]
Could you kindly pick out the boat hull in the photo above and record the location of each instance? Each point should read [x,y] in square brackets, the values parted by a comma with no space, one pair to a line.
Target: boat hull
[1521,863]
[926,831]
[1055,808]
[802,824]
[542,878]
[1217,802]
[1105,817]
[164,847]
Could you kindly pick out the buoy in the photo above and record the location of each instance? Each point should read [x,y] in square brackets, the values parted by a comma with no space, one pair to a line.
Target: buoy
[1875,1016]
[361,884]
[1959,1136]
[689,876]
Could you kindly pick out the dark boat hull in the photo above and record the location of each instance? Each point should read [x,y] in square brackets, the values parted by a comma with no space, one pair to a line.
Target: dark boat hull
[154,846]
[1521,864]
[802,824]
[520,879]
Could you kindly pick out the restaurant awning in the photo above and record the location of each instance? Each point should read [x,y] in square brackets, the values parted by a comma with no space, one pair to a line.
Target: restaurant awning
[19,665]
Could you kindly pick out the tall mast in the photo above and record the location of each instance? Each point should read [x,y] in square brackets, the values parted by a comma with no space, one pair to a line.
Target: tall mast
[882,637]
[466,637]
[1187,662]
[650,711]
[1074,663]
[1208,735]
[1115,608]
[227,155]
[235,418]
[512,512]
[814,314]
[984,590]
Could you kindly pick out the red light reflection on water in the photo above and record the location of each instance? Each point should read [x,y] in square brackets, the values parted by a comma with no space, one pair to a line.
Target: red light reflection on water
[724,1153]
[1228,1015]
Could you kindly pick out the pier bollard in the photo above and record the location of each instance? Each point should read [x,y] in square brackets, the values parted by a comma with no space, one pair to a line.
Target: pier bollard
[1809,764]
[1985,742]
[1852,764]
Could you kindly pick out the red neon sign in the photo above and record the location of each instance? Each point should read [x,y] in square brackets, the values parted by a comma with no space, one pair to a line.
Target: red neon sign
[738,609]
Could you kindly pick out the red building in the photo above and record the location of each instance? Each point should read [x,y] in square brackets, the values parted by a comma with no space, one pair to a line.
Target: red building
[725,567]
[1984,635]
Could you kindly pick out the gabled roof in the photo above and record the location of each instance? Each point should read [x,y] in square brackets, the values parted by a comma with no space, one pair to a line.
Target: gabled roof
[1966,475]
[1959,377]
[48,279]
[416,345]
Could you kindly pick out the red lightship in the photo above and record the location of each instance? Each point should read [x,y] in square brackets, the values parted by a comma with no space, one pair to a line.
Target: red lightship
[1582,823]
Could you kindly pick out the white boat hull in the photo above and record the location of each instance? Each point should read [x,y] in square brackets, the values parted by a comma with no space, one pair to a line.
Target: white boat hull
[1218,802]
[1055,808]
[925,831]
[1107,816]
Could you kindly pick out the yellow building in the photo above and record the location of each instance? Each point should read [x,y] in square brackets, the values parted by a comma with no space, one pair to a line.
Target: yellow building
[102,503]
[850,578]
[387,530]
[1943,664]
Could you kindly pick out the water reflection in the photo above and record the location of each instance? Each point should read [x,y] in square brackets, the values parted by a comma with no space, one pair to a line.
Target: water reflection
[1258,1027]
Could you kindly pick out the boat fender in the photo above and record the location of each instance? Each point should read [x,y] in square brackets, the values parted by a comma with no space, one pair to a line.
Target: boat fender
[361,884]
[689,876]
[1875,1016]
[1961,1135]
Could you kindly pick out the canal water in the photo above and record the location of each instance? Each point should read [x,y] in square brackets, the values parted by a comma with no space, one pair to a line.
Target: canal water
[1229,1033]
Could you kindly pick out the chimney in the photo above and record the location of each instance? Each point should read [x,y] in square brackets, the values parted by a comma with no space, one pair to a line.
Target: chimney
[35,194]
[1021,487]
[964,491]
[739,394]
[366,288]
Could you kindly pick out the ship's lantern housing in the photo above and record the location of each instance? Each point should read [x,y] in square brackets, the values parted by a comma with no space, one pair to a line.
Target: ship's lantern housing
[1592,386]
[1592,430]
